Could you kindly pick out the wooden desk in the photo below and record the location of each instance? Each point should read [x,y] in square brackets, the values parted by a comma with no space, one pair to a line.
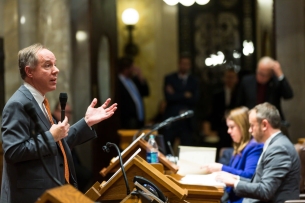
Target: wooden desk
[66,193]
[114,189]
[199,193]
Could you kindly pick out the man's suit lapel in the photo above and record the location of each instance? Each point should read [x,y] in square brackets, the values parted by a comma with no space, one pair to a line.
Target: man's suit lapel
[39,112]
[259,166]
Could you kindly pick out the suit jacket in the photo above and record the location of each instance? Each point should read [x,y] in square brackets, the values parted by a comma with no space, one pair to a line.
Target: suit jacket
[217,116]
[244,165]
[24,179]
[277,176]
[177,102]
[275,91]
[127,110]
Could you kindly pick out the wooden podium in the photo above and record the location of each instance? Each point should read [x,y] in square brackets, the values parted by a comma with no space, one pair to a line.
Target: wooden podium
[127,135]
[130,150]
[199,193]
[63,194]
[114,189]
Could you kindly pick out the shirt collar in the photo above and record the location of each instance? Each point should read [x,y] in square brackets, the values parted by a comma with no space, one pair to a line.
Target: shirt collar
[183,76]
[269,140]
[36,94]
[124,78]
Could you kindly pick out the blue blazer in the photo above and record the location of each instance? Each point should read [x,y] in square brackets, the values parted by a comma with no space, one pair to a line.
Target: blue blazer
[243,165]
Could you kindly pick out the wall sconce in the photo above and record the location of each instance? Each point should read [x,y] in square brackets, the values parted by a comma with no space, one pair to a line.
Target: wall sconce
[130,17]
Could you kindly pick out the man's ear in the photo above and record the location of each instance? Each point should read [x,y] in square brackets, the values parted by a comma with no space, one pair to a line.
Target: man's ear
[29,71]
[264,124]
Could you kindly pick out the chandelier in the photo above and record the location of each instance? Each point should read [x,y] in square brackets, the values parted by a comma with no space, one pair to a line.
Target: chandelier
[186,2]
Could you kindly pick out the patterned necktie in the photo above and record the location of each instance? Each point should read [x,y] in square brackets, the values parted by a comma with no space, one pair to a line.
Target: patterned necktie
[66,166]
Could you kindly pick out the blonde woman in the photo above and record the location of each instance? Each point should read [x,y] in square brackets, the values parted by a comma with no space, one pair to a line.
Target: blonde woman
[246,151]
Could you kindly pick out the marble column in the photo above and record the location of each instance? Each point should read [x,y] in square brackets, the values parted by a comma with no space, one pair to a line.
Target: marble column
[53,31]
[27,16]
[80,73]
[290,49]
[11,46]
[1,17]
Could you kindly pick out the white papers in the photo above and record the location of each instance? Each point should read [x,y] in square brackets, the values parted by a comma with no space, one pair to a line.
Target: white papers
[208,180]
[191,159]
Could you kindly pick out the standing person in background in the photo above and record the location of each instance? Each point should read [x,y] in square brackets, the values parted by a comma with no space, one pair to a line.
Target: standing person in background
[24,178]
[181,94]
[223,100]
[268,85]
[131,89]
[246,151]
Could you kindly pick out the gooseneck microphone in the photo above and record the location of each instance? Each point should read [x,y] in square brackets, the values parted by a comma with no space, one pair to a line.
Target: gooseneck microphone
[170,120]
[29,108]
[63,98]
[184,115]
[106,149]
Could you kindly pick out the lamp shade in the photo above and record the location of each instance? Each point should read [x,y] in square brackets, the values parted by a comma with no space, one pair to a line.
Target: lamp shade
[187,2]
[171,2]
[202,2]
[130,16]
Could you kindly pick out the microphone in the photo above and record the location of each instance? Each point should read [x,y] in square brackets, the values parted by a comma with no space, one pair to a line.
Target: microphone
[106,149]
[63,97]
[184,115]
[168,121]
[29,108]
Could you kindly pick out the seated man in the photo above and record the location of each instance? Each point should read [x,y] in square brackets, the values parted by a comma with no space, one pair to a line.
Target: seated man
[277,174]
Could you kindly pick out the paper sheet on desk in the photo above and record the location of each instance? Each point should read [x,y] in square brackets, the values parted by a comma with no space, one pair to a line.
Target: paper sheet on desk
[192,158]
[208,179]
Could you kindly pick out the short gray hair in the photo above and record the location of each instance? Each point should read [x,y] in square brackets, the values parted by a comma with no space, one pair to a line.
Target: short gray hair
[269,112]
[265,60]
[28,57]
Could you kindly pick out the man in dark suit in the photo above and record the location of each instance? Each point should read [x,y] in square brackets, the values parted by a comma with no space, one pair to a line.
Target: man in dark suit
[131,89]
[268,85]
[181,94]
[277,175]
[24,178]
[223,100]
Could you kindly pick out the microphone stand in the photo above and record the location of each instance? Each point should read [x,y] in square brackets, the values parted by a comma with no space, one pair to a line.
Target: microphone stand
[32,113]
[106,149]
[57,182]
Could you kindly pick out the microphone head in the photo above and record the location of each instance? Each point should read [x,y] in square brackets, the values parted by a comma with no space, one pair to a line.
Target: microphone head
[105,149]
[29,108]
[63,98]
[187,114]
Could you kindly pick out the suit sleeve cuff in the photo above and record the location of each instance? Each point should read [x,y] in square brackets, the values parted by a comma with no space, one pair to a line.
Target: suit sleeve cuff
[236,182]
[281,78]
